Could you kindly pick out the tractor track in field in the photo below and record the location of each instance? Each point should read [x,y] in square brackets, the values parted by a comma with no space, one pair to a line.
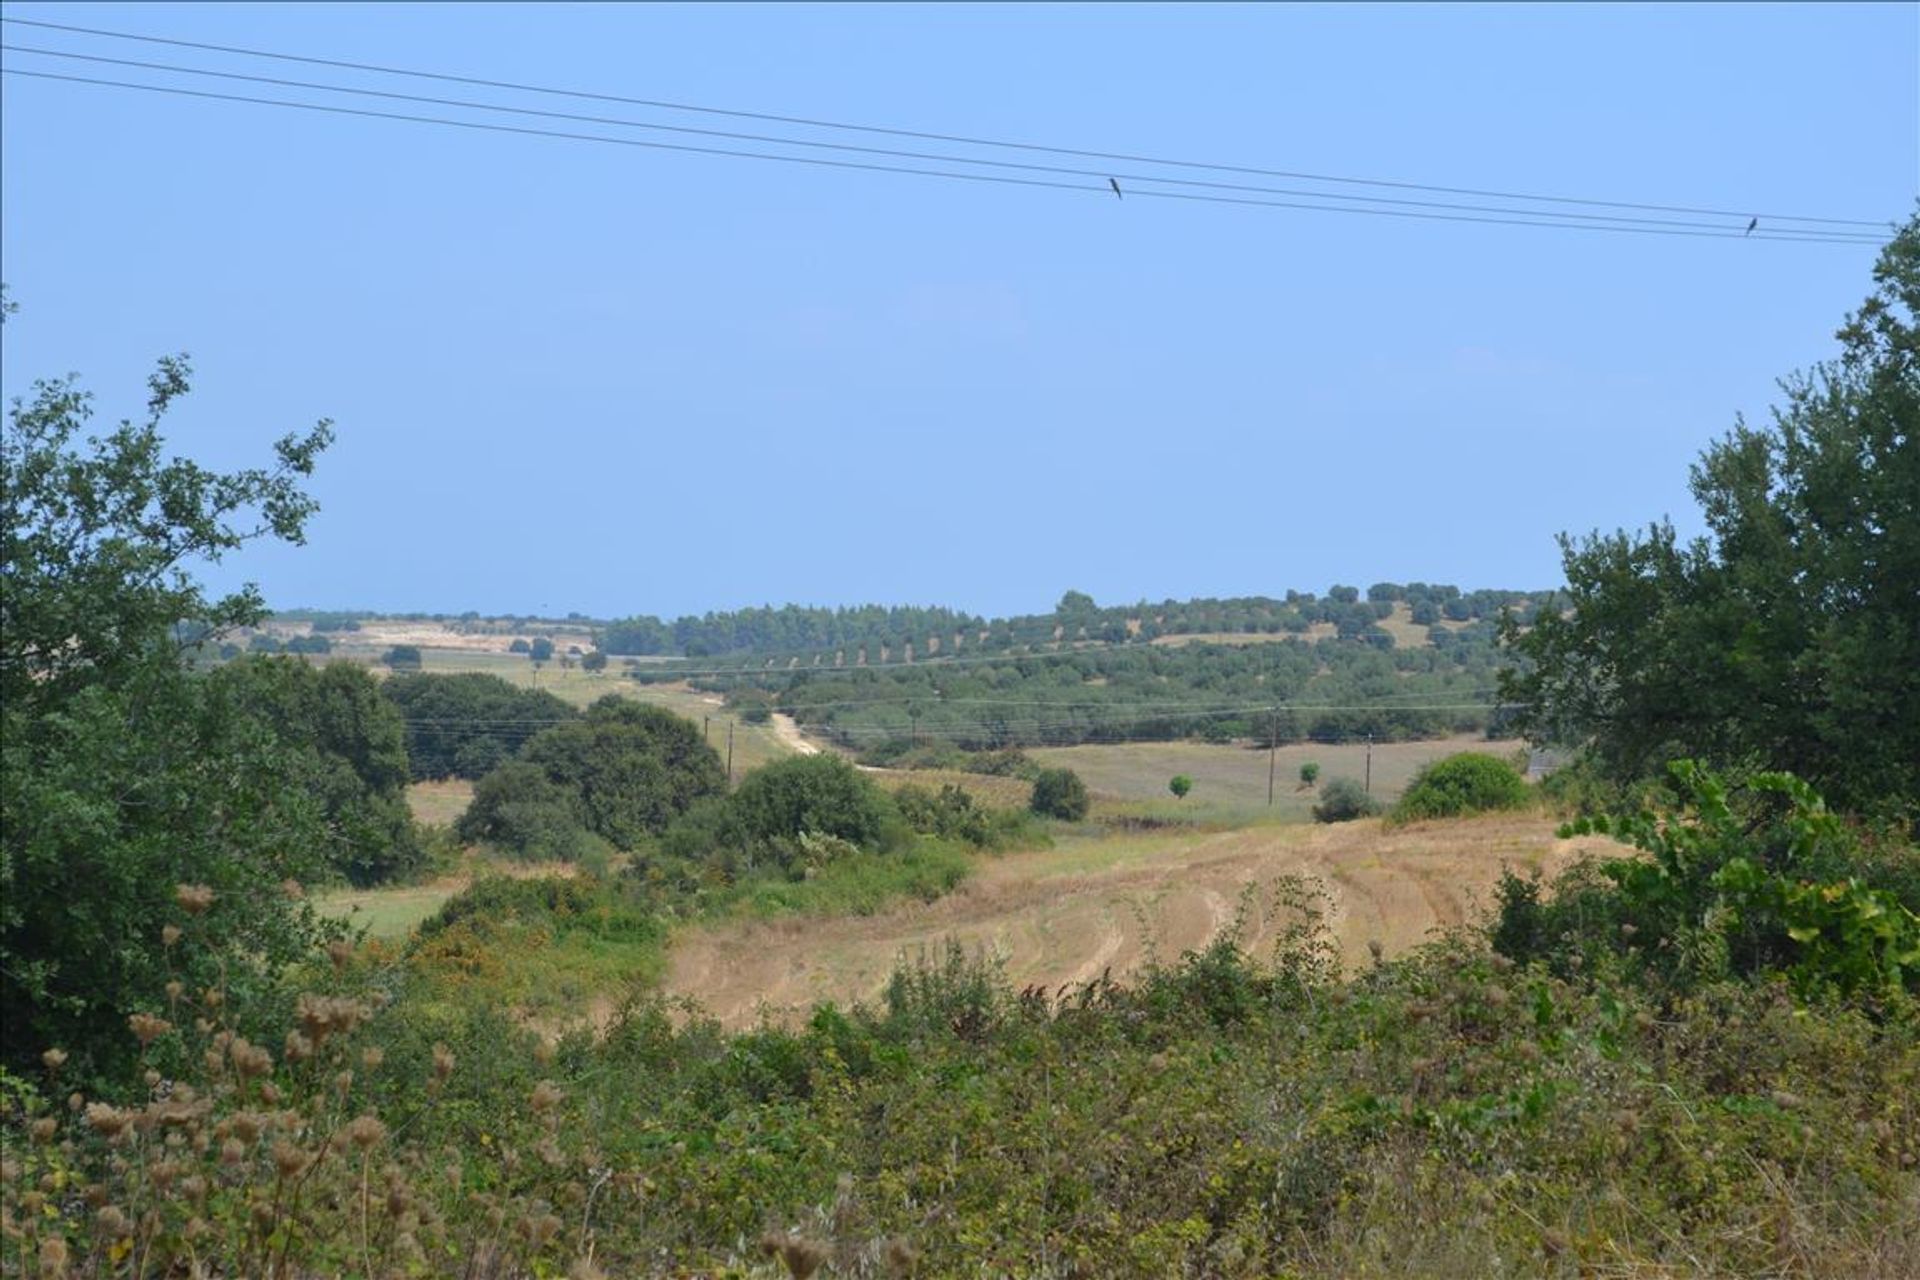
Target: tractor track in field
[1060,917]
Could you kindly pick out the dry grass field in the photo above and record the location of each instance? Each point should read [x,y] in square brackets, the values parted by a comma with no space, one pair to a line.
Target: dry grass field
[1108,906]
[1230,782]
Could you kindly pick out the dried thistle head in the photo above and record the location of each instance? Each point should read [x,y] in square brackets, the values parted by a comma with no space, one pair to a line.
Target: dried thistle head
[366,1130]
[169,934]
[53,1256]
[339,953]
[43,1130]
[292,889]
[442,1062]
[147,1028]
[803,1257]
[193,899]
[372,1056]
[546,1096]
[107,1121]
[54,1059]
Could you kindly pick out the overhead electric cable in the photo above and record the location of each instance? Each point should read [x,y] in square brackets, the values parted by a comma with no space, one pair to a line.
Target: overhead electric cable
[1001,179]
[938,157]
[923,135]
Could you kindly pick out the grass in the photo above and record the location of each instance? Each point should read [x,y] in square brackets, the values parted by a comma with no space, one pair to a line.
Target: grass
[439,803]
[1230,782]
[391,913]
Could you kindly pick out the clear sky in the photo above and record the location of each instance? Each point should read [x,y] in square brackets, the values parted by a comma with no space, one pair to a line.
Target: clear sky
[570,376]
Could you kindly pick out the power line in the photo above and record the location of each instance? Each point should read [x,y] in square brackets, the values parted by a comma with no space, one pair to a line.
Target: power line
[1797,237]
[961,139]
[1133,179]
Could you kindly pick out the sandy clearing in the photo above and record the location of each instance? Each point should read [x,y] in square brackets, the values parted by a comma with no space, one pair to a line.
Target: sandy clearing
[788,731]
[1069,914]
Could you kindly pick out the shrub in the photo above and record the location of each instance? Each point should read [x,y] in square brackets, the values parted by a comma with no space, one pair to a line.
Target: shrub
[1736,882]
[402,657]
[517,808]
[1309,773]
[1180,784]
[1343,800]
[1471,782]
[1059,793]
[794,814]
[950,814]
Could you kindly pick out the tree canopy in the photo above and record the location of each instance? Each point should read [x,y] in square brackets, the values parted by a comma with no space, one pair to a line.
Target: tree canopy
[1789,638]
[123,775]
[462,726]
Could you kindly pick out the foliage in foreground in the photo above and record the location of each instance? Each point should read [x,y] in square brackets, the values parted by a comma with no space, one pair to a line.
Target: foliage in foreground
[1734,882]
[1448,1114]
[121,773]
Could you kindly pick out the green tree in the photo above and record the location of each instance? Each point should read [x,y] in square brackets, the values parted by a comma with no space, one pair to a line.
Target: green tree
[634,767]
[463,725]
[402,657]
[1465,783]
[1309,773]
[345,745]
[1788,638]
[120,777]
[1059,793]
[519,809]
[1180,784]
[593,660]
[541,650]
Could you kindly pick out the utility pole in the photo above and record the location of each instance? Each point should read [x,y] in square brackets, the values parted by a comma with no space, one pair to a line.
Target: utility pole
[705,721]
[1369,764]
[730,753]
[913,714]
[1273,747]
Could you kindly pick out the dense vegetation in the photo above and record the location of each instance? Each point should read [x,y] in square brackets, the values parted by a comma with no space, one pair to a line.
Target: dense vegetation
[341,745]
[462,726]
[623,772]
[1330,690]
[1699,1058]
[872,633]
[1467,783]
[1790,637]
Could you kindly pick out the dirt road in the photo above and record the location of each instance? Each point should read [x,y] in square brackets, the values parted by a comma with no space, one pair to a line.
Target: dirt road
[1071,913]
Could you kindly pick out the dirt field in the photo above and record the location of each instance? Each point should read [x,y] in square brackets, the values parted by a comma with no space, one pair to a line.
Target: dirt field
[1088,907]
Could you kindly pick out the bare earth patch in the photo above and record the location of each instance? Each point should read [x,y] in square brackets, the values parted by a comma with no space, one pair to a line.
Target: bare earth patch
[1072,913]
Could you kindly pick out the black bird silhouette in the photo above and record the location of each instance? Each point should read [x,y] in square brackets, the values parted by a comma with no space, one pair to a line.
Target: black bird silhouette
[1116,188]
[1750,227]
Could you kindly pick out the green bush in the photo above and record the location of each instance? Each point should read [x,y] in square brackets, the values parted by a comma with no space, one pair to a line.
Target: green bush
[1343,800]
[1059,793]
[1180,784]
[1471,782]
[520,810]
[794,814]
[1309,774]
[1736,882]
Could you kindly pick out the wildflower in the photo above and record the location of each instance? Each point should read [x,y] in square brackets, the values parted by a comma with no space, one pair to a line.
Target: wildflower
[193,899]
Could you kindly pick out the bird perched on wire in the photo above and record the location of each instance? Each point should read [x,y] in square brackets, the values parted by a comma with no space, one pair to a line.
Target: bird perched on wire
[1115,184]
[1750,226]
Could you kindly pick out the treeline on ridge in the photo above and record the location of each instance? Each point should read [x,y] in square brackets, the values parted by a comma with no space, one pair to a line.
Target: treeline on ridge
[800,632]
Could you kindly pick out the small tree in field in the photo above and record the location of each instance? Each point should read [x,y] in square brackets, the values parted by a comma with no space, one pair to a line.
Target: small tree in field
[594,661]
[1059,793]
[402,657]
[1309,774]
[1180,784]
[541,650]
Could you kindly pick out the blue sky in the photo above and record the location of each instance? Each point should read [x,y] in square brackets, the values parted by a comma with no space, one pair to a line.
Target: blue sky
[578,377]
